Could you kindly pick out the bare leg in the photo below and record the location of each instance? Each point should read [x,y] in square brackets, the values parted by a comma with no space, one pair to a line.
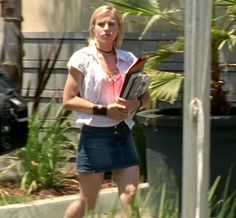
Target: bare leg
[90,184]
[127,180]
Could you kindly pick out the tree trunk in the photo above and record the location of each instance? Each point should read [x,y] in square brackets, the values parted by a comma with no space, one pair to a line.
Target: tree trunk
[219,104]
[11,39]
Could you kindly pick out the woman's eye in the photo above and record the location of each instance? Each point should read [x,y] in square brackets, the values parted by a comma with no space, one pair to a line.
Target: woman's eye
[111,24]
[101,24]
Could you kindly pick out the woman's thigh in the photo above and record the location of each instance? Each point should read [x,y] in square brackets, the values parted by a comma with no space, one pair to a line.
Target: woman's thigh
[90,184]
[125,177]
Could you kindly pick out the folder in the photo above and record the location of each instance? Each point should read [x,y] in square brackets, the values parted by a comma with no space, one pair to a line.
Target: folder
[136,81]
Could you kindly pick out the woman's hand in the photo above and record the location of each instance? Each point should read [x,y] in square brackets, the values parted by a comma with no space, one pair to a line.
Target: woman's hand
[130,105]
[117,111]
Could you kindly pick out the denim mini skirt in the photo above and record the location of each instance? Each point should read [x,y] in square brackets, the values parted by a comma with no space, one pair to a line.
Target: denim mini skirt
[103,149]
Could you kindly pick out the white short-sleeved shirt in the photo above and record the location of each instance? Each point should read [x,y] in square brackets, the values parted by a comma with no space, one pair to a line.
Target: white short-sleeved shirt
[97,87]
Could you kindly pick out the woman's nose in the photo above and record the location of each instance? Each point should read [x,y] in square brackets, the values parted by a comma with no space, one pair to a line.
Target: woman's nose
[106,26]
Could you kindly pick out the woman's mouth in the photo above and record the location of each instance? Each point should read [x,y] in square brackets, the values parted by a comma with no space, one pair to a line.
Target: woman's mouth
[106,35]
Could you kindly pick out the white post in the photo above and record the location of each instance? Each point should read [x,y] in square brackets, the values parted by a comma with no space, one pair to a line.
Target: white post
[196,132]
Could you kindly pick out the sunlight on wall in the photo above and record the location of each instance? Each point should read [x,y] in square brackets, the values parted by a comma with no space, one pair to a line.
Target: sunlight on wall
[72,16]
[56,16]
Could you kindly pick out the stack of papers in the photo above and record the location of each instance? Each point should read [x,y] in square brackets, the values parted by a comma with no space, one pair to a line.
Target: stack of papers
[136,81]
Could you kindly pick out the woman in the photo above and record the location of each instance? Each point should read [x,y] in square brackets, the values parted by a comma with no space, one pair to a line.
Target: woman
[92,88]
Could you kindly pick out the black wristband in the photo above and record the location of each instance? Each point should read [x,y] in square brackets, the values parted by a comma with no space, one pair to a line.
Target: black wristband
[99,110]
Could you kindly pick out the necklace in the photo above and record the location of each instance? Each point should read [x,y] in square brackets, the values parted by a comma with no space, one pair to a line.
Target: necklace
[106,52]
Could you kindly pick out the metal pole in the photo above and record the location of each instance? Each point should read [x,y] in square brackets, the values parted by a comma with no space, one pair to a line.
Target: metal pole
[196,109]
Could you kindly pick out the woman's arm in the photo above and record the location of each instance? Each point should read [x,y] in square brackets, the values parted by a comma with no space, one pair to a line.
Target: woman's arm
[71,100]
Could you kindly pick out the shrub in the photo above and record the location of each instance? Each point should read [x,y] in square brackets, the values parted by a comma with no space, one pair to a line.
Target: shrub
[42,153]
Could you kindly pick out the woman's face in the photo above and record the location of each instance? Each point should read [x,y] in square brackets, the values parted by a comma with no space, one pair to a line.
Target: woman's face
[106,28]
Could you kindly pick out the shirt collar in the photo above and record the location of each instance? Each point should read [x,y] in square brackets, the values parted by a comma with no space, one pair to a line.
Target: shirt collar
[119,53]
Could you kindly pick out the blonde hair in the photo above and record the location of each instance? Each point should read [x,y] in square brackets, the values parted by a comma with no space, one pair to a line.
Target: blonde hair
[100,11]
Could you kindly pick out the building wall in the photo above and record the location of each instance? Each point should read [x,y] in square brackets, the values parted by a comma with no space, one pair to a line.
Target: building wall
[36,42]
[55,15]
[72,16]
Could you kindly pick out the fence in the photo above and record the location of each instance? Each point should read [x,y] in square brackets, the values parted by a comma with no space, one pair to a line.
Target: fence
[36,42]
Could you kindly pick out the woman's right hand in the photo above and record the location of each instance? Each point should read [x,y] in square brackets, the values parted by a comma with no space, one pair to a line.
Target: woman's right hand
[117,111]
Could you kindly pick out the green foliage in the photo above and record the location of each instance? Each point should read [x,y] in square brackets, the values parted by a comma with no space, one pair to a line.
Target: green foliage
[164,51]
[162,81]
[225,205]
[148,8]
[18,200]
[169,204]
[42,154]
[169,207]
[161,202]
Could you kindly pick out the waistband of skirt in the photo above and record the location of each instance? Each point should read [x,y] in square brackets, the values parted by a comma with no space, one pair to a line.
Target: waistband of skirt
[118,126]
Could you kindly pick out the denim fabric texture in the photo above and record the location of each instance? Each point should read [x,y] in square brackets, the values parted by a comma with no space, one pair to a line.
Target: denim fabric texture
[103,149]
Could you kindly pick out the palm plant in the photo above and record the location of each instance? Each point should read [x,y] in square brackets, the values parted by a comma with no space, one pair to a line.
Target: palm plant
[166,85]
